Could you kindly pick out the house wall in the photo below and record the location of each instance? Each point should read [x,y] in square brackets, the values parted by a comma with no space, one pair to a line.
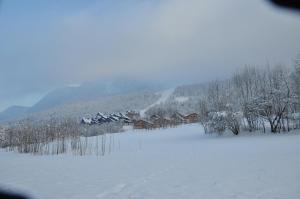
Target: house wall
[192,118]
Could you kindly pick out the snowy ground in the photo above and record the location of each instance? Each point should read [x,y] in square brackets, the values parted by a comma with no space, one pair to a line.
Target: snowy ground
[171,163]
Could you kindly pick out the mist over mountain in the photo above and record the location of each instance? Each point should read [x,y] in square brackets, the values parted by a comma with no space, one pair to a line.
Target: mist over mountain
[86,92]
[92,90]
[12,112]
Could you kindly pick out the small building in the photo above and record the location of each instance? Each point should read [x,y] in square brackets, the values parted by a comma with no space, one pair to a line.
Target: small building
[133,115]
[85,120]
[177,118]
[142,124]
[161,123]
[154,117]
[191,118]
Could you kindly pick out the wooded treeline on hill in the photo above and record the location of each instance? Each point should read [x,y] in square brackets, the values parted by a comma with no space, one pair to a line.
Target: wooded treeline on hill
[254,98]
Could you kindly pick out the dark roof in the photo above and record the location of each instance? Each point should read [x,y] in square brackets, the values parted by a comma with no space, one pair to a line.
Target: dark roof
[101,118]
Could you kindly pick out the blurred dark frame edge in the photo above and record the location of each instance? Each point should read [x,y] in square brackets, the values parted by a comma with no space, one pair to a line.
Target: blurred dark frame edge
[10,195]
[290,4]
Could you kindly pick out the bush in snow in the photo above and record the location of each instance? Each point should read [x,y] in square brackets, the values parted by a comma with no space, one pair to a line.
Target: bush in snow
[233,122]
[217,122]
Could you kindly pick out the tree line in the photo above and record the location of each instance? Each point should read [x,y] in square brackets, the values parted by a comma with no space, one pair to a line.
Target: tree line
[55,136]
[255,98]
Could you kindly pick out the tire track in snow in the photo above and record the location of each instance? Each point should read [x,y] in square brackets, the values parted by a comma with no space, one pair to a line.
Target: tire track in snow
[132,188]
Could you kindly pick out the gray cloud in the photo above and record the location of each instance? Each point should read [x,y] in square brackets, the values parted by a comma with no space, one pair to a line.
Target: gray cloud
[169,38]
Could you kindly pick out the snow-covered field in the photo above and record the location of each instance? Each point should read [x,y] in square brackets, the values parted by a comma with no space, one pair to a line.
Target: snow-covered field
[172,163]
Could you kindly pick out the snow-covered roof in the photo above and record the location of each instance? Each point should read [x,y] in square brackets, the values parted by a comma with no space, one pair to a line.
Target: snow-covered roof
[101,118]
[86,120]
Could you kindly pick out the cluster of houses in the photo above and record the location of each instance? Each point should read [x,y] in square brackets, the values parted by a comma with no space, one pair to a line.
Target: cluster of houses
[133,118]
[155,121]
[101,118]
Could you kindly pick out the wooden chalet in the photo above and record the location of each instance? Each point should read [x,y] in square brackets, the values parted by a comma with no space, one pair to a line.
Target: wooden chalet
[177,118]
[142,124]
[133,115]
[154,117]
[161,123]
[191,118]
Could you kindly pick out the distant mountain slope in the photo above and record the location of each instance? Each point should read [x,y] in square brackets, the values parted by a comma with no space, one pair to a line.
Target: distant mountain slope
[108,96]
[184,99]
[91,91]
[106,104]
[12,112]
[190,90]
[102,95]
[164,96]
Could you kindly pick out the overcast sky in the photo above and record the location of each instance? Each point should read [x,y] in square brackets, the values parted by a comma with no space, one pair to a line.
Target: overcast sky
[50,44]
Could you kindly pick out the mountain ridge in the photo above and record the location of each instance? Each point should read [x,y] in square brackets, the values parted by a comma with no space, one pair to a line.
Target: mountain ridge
[88,91]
